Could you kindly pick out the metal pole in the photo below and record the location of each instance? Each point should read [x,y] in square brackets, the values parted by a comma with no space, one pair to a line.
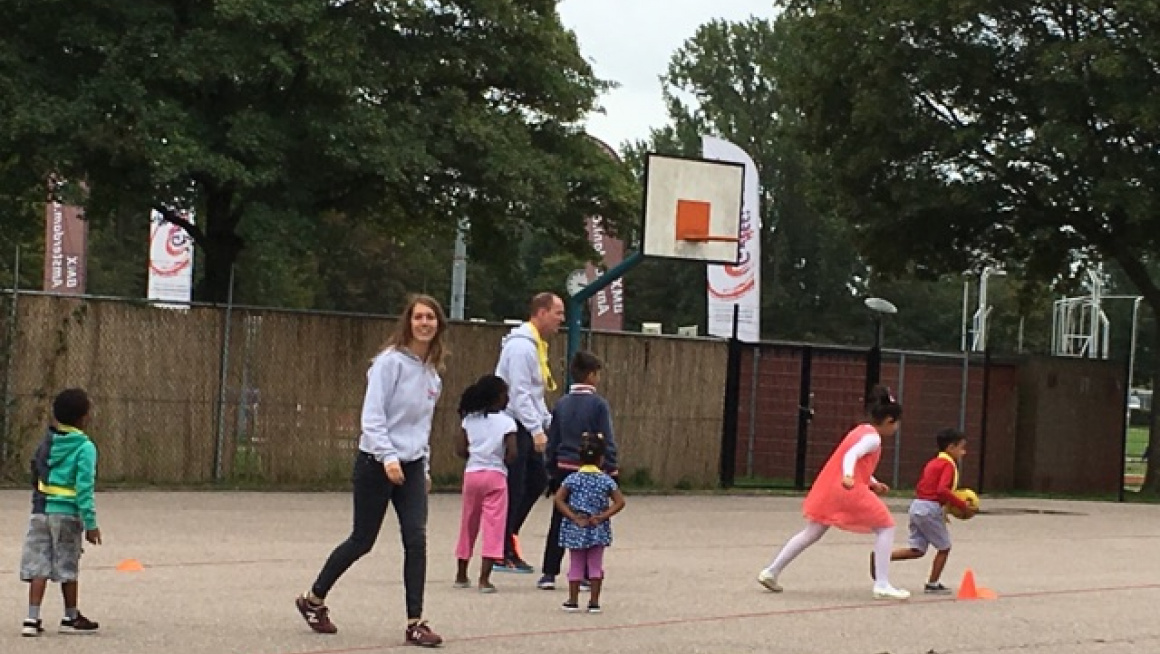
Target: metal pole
[966,299]
[223,368]
[459,272]
[755,360]
[1056,341]
[1132,366]
[898,432]
[575,304]
[1124,440]
[873,361]
[805,414]
[728,463]
[983,425]
[966,358]
[1094,341]
[9,353]
[963,385]
[981,313]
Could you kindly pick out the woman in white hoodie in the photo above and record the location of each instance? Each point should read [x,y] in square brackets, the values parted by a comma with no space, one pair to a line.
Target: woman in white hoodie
[393,463]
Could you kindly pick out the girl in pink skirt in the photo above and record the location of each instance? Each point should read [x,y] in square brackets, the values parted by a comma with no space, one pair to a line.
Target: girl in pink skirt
[488,442]
[845,495]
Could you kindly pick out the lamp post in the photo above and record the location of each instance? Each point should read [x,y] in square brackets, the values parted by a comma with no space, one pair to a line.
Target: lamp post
[879,308]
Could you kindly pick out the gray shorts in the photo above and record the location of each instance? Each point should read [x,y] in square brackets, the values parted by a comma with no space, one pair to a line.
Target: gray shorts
[928,526]
[52,548]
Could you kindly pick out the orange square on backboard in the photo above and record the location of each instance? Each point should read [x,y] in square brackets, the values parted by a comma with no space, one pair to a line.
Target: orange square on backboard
[692,220]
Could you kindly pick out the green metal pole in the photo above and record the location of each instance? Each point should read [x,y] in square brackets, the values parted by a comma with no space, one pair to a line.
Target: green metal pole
[575,315]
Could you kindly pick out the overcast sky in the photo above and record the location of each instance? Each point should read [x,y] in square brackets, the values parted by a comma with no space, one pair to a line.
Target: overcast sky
[630,42]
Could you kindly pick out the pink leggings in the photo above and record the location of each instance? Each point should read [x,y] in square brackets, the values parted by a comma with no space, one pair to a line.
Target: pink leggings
[590,560]
[485,502]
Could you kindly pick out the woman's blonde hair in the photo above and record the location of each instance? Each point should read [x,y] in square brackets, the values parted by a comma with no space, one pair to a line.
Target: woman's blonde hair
[402,336]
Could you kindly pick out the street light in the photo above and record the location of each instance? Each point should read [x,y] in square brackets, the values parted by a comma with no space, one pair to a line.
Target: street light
[879,307]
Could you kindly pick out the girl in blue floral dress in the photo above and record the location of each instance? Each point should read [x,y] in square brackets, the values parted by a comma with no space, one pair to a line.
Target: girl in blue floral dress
[587,498]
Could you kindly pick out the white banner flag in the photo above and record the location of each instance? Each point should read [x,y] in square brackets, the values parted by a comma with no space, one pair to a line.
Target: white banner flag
[740,284]
[170,262]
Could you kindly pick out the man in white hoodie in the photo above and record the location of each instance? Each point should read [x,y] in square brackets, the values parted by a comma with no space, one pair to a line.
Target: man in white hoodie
[523,364]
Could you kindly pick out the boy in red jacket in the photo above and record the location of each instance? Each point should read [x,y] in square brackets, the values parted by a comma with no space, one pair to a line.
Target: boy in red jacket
[928,521]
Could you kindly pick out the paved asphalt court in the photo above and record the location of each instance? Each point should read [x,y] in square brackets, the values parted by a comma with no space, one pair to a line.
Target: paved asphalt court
[221,570]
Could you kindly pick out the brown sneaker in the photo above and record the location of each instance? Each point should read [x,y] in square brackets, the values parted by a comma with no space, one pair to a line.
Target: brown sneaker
[316,615]
[420,634]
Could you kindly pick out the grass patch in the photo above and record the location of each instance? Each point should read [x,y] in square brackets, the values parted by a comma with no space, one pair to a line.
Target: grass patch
[1137,441]
[639,479]
[765,482]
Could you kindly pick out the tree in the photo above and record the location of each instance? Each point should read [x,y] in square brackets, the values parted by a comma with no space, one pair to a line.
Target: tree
[953,135]
[394,113]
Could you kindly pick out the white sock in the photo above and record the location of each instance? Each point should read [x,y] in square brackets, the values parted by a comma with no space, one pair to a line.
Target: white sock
[883,543]
[796,545]
[33,612]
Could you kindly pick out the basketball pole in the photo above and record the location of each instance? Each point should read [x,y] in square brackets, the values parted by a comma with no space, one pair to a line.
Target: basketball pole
[693,197]
[575,315]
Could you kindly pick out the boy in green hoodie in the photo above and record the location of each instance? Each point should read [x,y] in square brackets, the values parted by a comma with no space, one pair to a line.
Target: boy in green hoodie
[64,472]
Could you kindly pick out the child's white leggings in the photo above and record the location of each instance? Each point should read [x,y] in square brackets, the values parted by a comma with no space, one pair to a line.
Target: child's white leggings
[883,543]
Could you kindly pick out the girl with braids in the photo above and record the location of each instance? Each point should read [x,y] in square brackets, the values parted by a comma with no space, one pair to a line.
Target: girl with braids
[488,442]
[588,498]
[845,495]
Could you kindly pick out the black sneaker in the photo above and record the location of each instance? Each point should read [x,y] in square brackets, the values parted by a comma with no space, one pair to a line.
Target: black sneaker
[31,628]
[570,607]
[78,625]
[593,607]
[936,589]
[513,564]
[315,615]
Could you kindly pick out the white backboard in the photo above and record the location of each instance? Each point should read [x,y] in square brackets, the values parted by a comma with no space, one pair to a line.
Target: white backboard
[670,179]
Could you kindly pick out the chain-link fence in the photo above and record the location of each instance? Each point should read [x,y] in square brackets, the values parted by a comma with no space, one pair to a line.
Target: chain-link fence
[797,401]
[271,398]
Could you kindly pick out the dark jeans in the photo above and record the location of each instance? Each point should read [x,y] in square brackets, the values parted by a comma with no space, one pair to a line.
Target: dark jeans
[372,492]
[526,481]
[553,553]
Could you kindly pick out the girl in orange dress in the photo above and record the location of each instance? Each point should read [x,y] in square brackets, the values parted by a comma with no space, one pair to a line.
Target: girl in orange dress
[845,495]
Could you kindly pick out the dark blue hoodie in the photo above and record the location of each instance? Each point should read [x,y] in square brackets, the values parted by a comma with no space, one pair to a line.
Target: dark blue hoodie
[581,410]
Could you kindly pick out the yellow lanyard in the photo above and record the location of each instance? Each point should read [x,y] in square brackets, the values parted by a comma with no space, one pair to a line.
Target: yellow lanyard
[542,349]
[954,465]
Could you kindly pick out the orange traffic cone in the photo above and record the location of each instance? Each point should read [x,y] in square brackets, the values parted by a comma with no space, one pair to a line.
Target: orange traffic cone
[969,591]
[130,565]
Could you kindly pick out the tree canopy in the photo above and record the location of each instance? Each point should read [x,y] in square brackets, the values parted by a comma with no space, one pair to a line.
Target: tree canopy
[397,113]
[953,135]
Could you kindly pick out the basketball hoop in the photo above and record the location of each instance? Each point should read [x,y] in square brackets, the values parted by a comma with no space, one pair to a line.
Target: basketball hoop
[693,223]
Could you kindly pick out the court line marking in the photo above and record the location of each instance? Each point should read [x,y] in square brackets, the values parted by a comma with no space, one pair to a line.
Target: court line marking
[653,624]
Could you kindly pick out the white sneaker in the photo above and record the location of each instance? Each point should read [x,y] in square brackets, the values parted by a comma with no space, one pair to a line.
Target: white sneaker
[769,580]
[891,593]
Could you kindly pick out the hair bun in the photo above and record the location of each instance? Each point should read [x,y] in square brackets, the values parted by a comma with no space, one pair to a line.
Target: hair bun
[880,396]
